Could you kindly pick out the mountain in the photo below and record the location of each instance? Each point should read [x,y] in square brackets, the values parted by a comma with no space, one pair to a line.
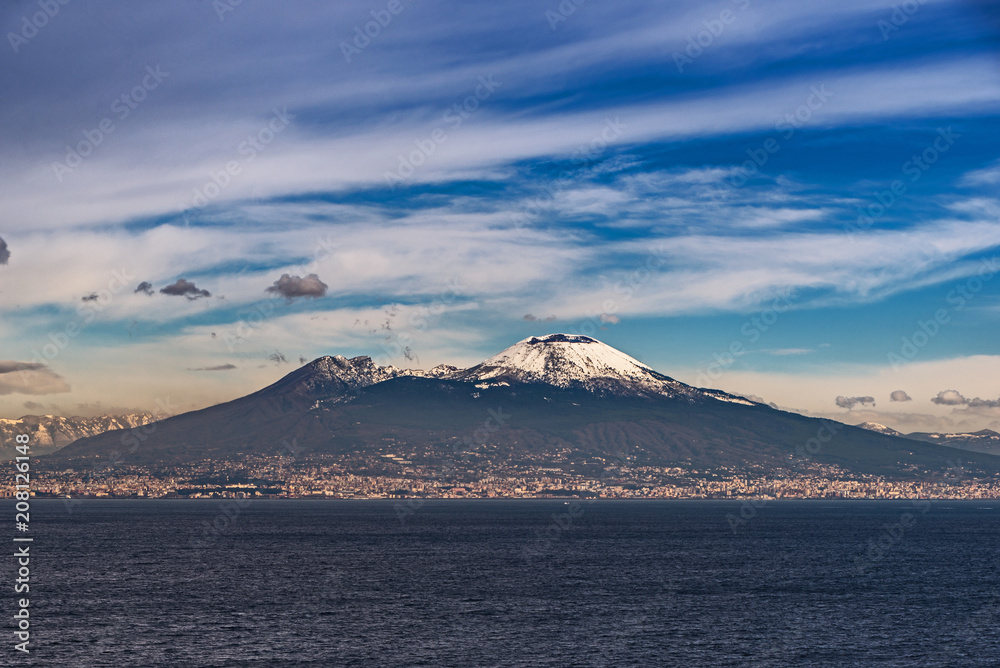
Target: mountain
[559,397]
[985,440]
[879,428]
[50,432]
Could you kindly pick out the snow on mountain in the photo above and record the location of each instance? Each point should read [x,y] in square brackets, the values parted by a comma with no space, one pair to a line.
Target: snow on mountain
[51,432]
[561,360]
[574,361]
[984,440]
[880,428]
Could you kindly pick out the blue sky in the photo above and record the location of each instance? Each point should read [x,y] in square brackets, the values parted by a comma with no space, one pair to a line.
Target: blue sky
[810,185]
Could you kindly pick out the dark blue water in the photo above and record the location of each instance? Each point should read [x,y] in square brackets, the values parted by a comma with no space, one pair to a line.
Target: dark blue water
[512,583]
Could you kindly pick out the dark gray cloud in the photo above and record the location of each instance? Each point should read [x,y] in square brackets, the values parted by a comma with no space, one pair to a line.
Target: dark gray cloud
[4,252]
[984,403]
[955,398]
[529,318]
[7,366]
[33,405]
[92,297]
[900,395]
[277,358]
[220,367]
[291,287]
[30,378]
[950,398]
[145,287]
[183,288]
[851,402]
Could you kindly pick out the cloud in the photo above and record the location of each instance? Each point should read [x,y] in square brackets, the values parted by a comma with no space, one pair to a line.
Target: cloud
[950,398]
[851,402]
[4,252]
[32,405]
[186,289]
[984,403]
[291,287]
[277,358]
[900,395]
[92,297]
[145,287]
[529,318]
[955,398]
[220,367]
[30,378]
[784,352]
[613,319]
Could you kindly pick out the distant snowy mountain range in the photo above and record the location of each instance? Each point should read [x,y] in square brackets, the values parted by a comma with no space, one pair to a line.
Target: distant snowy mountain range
[985,440]
[51,432]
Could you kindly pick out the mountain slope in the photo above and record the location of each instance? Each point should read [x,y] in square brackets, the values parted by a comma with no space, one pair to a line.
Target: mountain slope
[558,394]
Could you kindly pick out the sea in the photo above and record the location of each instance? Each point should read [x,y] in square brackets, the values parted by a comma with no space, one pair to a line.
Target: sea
[520,583]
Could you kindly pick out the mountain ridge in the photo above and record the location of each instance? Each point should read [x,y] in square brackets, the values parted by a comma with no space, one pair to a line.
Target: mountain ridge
[567,394]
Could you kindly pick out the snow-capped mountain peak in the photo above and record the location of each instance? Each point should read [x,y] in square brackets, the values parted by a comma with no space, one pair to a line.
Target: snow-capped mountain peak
[880,428]
[570,360]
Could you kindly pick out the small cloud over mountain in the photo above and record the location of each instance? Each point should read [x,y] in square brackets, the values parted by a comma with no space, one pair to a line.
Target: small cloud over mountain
[950,398]
[900,395]
[30,378]
[851,402]
[183,288]
[291,287]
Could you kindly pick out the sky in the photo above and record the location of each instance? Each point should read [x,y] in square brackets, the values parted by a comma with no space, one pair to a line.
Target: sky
[793,201]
